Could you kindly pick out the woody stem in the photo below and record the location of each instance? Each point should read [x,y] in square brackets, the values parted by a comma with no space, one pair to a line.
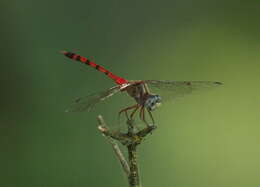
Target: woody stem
[133,177]
[130,139]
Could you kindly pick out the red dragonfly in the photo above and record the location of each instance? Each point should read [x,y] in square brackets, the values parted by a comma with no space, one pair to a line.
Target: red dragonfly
[138,90]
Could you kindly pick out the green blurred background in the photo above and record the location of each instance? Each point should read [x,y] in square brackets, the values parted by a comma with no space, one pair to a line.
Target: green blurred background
[205,140]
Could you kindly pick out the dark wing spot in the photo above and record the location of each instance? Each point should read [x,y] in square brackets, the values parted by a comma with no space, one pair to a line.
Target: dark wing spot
[219,83]
[188,83]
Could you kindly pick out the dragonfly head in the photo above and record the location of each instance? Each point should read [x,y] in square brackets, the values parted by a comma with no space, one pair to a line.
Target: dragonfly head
[152,102]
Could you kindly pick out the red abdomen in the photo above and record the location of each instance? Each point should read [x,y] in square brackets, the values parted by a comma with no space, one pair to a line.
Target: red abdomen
[118,80]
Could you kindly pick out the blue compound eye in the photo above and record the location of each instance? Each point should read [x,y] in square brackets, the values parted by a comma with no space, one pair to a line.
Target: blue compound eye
[158,98]
[152,102]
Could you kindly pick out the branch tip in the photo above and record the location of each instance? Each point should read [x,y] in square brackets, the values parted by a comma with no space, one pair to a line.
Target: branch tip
[102,129]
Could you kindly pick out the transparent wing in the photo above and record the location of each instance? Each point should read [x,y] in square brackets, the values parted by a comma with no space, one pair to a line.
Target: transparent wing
[88,102]
[175,89]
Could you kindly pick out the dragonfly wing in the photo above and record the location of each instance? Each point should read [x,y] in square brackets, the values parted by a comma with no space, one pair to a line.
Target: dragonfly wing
[175,89]
[88,102]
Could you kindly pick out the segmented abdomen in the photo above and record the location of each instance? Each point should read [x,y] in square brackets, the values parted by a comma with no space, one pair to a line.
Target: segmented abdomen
[118,80]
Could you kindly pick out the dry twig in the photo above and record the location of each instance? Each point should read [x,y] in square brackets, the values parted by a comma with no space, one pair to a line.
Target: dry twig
[131,140]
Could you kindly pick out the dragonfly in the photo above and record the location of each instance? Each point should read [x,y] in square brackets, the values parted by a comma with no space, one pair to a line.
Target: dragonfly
[139,90]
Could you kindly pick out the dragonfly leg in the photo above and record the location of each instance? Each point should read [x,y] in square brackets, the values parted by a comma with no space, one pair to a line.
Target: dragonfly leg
[134,111]
[151,116]
[125,111]
[144,118]
[142,115]
[137,106]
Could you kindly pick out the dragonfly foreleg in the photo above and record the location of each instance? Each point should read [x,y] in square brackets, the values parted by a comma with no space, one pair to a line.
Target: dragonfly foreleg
[144,118]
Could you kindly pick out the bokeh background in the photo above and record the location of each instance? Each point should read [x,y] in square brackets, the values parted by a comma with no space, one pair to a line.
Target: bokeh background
[209,139]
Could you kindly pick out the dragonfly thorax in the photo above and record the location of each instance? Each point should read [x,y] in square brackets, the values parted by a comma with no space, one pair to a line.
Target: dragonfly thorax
[137,91]
[152,102]
[142,96]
